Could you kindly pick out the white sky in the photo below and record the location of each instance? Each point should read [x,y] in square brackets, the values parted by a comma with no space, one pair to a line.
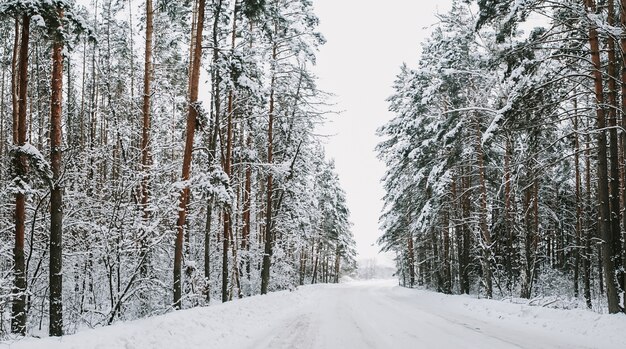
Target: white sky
[367,42]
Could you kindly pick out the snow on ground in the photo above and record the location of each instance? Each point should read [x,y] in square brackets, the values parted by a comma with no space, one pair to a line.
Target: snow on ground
[372,314]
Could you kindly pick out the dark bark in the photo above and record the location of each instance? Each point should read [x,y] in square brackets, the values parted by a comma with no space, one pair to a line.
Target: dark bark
[579,210]
[614,183]
[316,263]
[267,250]
[464,262]
[5,40]
[434,263]
[486,243]
[207,251]
[588,251]
[18,322]
[447,273]
[337,264]
[411,259]
[215,127]
[622,15]
[604,225]
[245,231]
[228,170]
[145,137]
[303,258]
[56,195]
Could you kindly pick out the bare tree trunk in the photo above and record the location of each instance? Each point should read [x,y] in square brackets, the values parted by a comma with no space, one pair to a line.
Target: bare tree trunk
[131,114]
[464,254]
[93,103]
[71,105]
[316,263]
[436,260]
[587,256]
[486,243]
[192,117]
[15,81]
[447,273]
[146,161]
[603,185]
[82,99]
[614,182]
[35,101]
[18,322]
[267,255]
[207,251]
[145,139]
[228,170]
[578,201]
[194,22]
[411,258]
[457,237]
[245,232]
[337,264]
[235,280]
[508,212]
[623,88]
[303,259]
[526,286]
[5,40]
[56,195]
[215,128]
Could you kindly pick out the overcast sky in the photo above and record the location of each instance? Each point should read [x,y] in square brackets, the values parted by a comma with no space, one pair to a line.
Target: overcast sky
[367,42]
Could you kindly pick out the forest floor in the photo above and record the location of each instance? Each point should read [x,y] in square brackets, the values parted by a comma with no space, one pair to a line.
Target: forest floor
[361,314]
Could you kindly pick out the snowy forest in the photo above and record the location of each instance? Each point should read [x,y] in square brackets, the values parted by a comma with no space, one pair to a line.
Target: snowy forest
[198,173]
[505,157]
[159,155]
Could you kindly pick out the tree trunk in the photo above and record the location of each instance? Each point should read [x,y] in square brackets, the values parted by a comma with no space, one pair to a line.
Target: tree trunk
[578,202]
[303,259]
[337,264]
[245,231]
[411,258]
[603,185]
[192,117]
[508,226]
[464,265]
[316,263]
[587,256]
[228,170]
[447,274]
[267,255]
[5,40]
[623,88]
[145,140]
[81,121]
[486,243]
[436,260]
[15,81]
[56,195]
[614,184]
[93,104]
[215,127]
[207,251]
[18,322]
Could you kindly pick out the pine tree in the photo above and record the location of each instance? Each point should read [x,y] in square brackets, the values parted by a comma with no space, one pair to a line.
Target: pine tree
[192,119]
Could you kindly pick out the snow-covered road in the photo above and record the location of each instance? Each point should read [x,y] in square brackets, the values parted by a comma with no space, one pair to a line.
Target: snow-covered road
[375,314]
[380,315]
